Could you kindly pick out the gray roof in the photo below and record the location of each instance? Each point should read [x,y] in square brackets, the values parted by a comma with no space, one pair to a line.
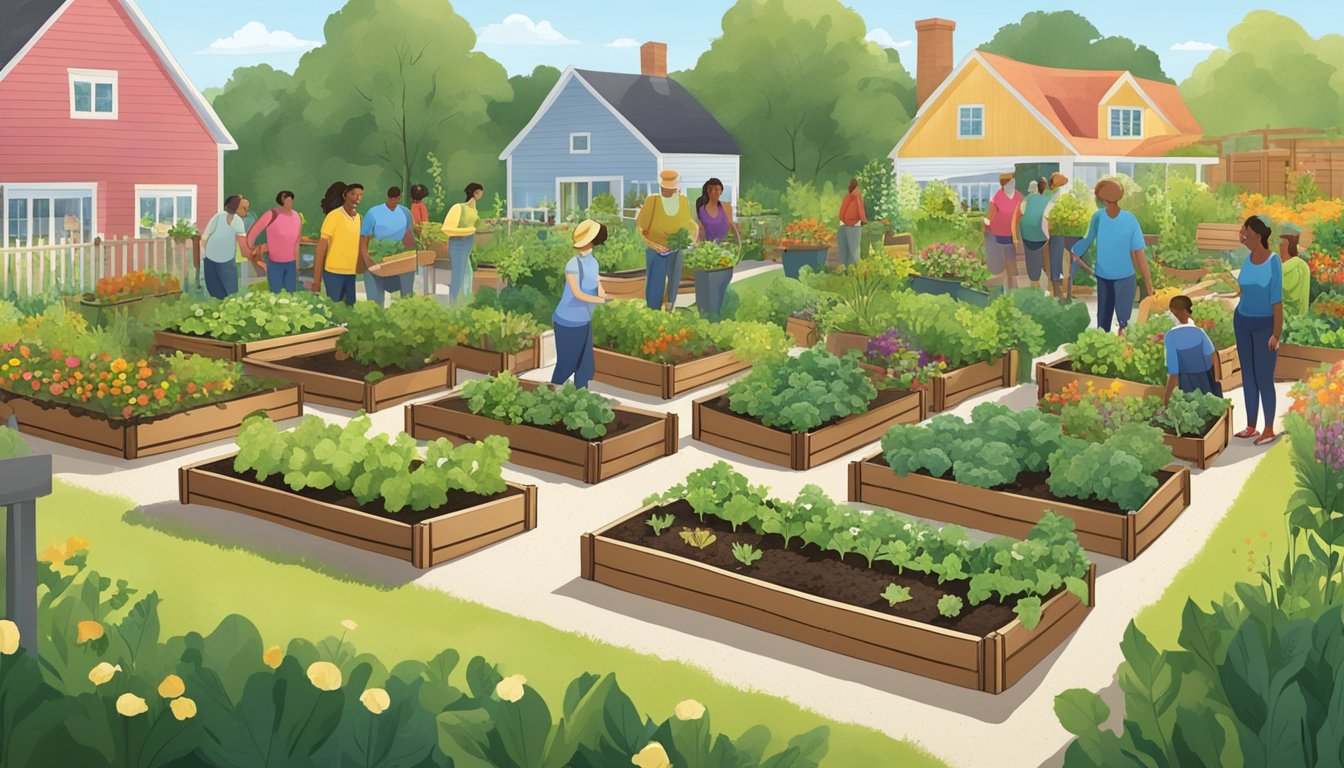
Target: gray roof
[664,112]
[22,20]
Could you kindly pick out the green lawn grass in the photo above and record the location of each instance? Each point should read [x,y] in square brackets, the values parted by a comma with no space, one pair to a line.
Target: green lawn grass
[1259,508]
[200,582]
[757,283]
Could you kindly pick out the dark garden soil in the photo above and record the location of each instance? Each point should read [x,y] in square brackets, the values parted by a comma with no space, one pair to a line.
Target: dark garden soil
[677,358]
[625,420]
[808,569]
[457,500]
[265,385]
[328,363]
[884,397]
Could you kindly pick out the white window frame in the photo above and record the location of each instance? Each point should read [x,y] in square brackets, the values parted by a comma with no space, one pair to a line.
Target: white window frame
[960,108]
[617,189]
[10,188]
[94,77]
[1110,117]
[588,143]
[165,190]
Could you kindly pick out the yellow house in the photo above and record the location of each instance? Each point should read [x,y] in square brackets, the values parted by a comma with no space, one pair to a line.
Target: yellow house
[991,114]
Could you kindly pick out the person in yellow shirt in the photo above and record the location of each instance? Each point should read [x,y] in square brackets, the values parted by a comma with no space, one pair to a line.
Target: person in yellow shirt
[460,227]
[662,216]
[338,250]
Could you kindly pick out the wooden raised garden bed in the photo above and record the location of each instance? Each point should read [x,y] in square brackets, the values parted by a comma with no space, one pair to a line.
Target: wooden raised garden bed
[296,345]
[1201,451]
[636,438]
[990,662]
[489,362]
[713,423]
[1114,533]
[139,438]
[1297,363]
[951,388]
[1054,376]
[467,523]
[329,380]
[663,380]
[803,332]
[486,276]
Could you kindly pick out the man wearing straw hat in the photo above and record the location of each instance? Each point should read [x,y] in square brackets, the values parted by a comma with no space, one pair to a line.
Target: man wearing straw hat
[662,216]
[1001,231]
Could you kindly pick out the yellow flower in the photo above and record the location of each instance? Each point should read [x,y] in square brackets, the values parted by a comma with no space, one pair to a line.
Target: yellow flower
[172,687]
[511,688]
[350,625]
[54,554]
[88,630]
[375,700]
[75,544]
[652,756]
[183,708]
[103,672]
[272,657]
[324,675]
[130,705]
[690,709]
[9,637]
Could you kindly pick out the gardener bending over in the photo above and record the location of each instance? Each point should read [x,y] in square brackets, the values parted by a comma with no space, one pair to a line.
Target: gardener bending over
[1192,362]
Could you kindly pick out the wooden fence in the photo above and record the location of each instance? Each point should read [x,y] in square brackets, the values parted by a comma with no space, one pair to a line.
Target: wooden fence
[77,267]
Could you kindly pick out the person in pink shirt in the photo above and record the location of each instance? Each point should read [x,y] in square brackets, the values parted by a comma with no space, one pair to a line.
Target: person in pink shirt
[282,227]
[1001,233]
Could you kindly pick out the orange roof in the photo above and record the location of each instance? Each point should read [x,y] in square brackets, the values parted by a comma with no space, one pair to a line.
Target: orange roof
[1068,100]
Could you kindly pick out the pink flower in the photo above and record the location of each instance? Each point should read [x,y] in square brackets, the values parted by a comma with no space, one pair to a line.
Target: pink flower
[72,362]
[27,375]
[55,389]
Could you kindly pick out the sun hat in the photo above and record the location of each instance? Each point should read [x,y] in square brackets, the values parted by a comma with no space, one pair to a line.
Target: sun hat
[1004,178]
[1289,228]
[669,180]
[1058,180]
[585,233]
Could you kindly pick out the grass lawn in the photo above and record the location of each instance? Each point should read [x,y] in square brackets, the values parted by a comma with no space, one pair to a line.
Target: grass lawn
[201,582]
[1260,507]
[757,283]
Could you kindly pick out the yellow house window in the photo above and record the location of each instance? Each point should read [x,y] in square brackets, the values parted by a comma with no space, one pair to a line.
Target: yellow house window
[971,121]
[1126,123]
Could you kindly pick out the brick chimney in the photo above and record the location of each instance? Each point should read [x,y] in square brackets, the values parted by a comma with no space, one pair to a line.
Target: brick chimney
[935,56]
[653,59]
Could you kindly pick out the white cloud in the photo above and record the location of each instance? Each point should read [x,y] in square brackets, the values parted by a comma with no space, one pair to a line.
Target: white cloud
[517,29]
[1194,45]
[883,38]
[253,37]
[623,42]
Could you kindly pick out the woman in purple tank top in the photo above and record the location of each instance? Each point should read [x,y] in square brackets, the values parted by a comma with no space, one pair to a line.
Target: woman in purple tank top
[715,215]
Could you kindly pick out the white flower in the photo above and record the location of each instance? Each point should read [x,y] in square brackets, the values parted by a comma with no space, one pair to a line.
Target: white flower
[909,526]
[511,688]
[200,313]
[349,625]
[854,531]
[689,709]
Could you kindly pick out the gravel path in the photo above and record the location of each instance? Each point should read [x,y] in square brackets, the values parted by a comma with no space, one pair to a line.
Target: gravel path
[961,726]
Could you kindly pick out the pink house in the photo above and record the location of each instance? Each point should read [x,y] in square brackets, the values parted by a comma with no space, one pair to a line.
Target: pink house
[100,129]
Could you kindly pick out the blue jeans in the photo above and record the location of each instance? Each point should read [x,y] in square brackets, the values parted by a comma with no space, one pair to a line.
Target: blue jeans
[375,289]
[282,275]
[459,255]
[1115,297]
[340,287]
[662,276]
[848,237]
[221,278]
[1257,365]
[573,354]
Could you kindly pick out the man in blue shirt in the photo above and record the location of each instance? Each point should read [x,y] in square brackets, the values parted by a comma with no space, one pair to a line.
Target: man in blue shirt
[389,221]
[1192,362]
[1120,247]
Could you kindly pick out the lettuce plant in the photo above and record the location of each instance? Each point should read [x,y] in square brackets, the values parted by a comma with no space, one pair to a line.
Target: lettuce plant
[406,335]
[250,316]
[798,394]
[503,398]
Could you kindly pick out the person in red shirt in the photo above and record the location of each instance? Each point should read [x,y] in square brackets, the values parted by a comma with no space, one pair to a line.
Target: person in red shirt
[852,217]
[419,212]
[1001,230]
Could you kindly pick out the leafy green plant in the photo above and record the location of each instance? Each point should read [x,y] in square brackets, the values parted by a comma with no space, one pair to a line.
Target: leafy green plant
[799,394]
[1070,216]
[12,443]
[406,335]
[1060,321]
[631,328]
[381,248]
[1094,414]
[660,523]
[746,554]
[1119,469]
[680,240]
[623,251]
[502,397]
[698,537]
[895,594]
[780,300]
[950,261]
[248,317]
[950,606]
[710,255]
[494,329]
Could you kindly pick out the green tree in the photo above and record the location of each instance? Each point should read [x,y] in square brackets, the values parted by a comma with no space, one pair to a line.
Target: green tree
[1272,73]
[1068,40]
[801,89]
[528,93]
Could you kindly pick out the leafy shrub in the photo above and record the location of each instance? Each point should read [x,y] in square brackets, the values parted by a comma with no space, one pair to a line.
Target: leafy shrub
[1070,215]
[1140,355]
[858,297]
[12,443]
[1119,469]
[799,394]
[405,335]
[631,328]
[319,455]
[519,300]
[1060,321]
[961,333]
[779,301]
[1313,331]
[881,198]
[250,316]
[503,398]
[493,329]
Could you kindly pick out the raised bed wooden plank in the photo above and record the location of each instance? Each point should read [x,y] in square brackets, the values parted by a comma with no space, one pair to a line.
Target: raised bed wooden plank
[660,379]
[423,544]
[490,363]
[1120,535]
[942,654]
[1297,362]
[802,450]
[961,384]
[296,345]
[562,454]
[1201,451]
[354,394]
[197,426]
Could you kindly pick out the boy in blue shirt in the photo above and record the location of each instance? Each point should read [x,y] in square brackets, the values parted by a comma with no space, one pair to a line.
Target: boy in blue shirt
[1192,362]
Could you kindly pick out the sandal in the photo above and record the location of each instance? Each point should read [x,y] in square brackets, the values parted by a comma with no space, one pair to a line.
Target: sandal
[1265,439]
[1247,433]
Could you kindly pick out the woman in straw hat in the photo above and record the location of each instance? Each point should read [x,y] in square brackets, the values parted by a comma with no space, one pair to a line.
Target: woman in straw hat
[573,318]
[1001,231]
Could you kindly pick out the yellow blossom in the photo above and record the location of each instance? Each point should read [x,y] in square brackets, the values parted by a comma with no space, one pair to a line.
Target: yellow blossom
[350,625]
[130,705]
[324,675]
[88,630]
[183,708]
[375,700]
[9,637]
[511,688]
[103,672]
[690,709]
[652,756]
[273,656]
[172,687]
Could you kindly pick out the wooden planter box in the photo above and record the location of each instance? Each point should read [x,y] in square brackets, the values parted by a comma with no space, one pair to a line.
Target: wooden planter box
[486,276]
[802,450]
[840,342]
[403,263]
[423,544]
[803,332]
[961,384]
[1297,363]
[354,394]
[992,663]
[292,346]
[197,426]
[491,363]
[1053,376]
[871,481]
[591,461]
[660,379]
[1201,451]
[624,285]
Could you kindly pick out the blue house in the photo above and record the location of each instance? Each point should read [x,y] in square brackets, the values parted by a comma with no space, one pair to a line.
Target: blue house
[602,132]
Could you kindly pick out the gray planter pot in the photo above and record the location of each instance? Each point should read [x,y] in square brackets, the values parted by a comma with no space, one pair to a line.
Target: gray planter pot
[796,258]
[710,288]
[970,296]
[933,285]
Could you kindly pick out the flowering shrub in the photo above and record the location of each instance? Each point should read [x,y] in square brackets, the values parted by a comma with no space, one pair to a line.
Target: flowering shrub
[806,233]
[1070,216]
[1327,267]
[952,262]
[906,365]
[1094,414]
[1281,212]
[134,284]
[631,328]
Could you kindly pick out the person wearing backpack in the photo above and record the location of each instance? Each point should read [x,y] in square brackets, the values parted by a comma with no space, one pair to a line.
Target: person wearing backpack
[274,242]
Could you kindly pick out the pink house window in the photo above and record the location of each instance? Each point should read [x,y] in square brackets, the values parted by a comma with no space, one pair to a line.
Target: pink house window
[93,94]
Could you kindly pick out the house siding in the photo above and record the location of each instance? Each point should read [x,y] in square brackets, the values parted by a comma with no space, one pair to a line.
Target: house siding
[1127,96]
[543,155]
[695,170]
[158,138]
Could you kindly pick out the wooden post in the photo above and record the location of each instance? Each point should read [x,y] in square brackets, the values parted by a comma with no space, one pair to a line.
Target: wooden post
[22,481]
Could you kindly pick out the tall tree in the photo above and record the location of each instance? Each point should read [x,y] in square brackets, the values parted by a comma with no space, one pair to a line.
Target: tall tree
[802,91]
[528,92]
[1272,73]
[1067,40]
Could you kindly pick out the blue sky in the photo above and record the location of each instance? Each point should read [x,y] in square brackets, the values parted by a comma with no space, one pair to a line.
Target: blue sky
[603,35]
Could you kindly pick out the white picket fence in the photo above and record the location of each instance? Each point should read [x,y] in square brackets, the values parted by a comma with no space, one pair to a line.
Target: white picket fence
[77,267]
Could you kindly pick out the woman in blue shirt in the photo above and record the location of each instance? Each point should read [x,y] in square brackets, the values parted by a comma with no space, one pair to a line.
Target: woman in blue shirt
[1258,323]
[1119,240]
[573,318]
